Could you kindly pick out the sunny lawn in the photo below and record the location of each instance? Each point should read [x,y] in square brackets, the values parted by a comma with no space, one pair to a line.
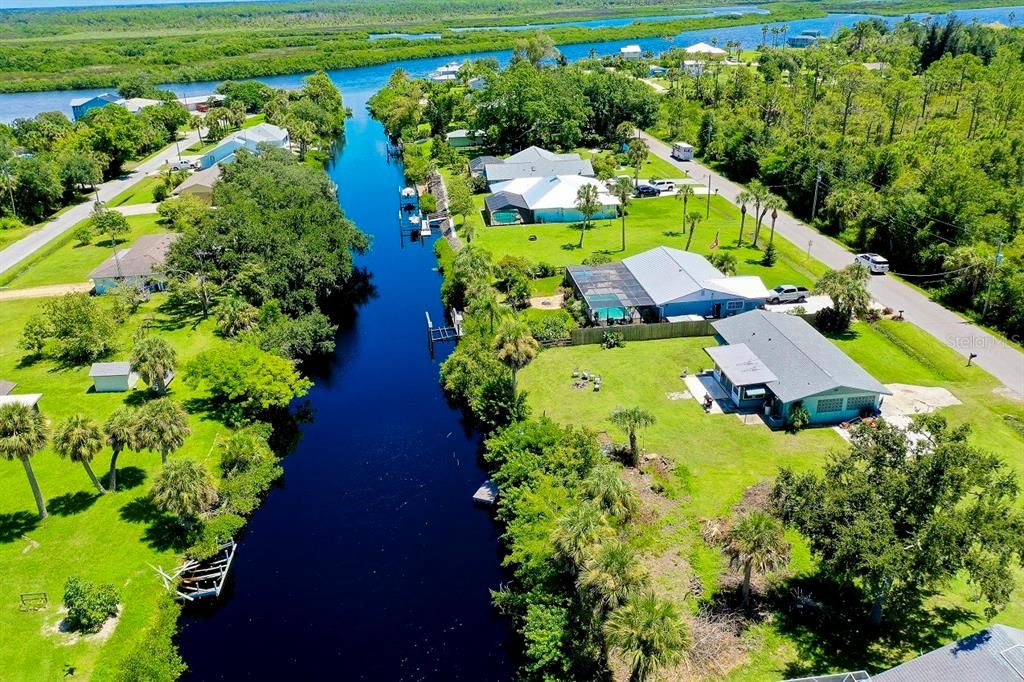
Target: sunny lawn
[650,223]
[109,538]
[717,457]
[653,167]
[72,262]
[140,193]
[11,235]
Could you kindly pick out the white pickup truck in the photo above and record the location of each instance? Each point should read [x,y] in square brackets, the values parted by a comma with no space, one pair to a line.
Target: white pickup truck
[788,293]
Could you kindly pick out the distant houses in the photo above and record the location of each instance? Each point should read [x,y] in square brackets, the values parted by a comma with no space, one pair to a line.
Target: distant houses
[548,199]
[140,264]
[630,52]
[448,72]
[532,162]
[663,284]
[199,184]
[805,38]
[80,106]
[705,49]
[247,138]
[463,138]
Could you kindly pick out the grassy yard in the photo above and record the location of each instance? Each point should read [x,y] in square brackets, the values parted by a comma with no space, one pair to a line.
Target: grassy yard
[110,538]
[72,262]
[140,193]
[9,236]
[653,167]
[717,457]
[650,223]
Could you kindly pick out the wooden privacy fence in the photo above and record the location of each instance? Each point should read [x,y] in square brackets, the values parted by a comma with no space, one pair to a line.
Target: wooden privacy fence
[643,332]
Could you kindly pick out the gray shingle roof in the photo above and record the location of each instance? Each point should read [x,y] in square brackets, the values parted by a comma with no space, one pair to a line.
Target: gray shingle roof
[203,178]
[141,259]
[110,369]
[805,362]
[995,654]
[478,164]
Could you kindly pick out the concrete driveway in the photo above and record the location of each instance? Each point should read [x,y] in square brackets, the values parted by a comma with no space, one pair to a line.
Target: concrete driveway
[997,357]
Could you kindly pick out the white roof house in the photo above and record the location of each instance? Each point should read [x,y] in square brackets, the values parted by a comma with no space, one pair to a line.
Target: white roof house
[136,104]
[630,52]
[704,48]
[558,191]
[534,162]
[673,276]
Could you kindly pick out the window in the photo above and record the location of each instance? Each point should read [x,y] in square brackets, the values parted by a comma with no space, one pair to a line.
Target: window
[830,405]
[734,305]
[859,402]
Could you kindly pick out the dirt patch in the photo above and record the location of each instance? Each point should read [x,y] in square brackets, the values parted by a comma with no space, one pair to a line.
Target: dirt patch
[678,395]
[547,302]
[907,399]
[30,544]
[757,496]
[1008,393]
[653,505]
[60,629]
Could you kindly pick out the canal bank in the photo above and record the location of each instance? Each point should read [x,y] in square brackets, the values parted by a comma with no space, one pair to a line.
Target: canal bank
[369,561]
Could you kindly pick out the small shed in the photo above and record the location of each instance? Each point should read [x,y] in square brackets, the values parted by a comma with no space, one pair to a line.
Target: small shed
[28,399]
[112,377]
[630,52]
[6,387]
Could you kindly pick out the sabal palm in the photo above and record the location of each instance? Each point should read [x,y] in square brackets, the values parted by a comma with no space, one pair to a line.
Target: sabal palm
[743,198]
[235,315]
[692,220]
[122,432]
[622,188]
[774,203]
[23,433]
[757,542]
[649,633]
[630,420]
[153,359]
[485,303]
[163,426]
[79,438]
[588,204]
[184,488]
[607,489]
[612,573]
[760,193]
[515,346]
[683,195]
[579,529]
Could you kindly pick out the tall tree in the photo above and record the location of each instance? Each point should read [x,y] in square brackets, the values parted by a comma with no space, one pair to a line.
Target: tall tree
[23,433]
[515,346]
[637,155]
[649,633]
[153,359]
[184,488]
[760,193]
[612,573]
[631,420]
[79,438]
[122,433]
[743,198]
[848,289]
[163,426]
[588,204]
[605,487]
[757,542]
[622,189]
[902,513]
[692,219]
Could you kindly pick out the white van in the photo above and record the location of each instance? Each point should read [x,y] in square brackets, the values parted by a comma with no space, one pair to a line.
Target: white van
[682,151]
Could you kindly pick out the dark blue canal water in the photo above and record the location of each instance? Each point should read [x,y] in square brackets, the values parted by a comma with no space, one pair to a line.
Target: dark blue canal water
[370,561]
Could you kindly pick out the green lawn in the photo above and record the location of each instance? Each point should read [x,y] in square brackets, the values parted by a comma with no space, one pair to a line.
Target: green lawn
[653,167]
[717,457]
[650,223]
[9,236]
[254,121]
[140,193]
[111,538]
[72,262]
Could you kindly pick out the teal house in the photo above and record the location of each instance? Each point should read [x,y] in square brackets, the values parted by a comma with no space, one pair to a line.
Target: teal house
[82,105]
[774,361]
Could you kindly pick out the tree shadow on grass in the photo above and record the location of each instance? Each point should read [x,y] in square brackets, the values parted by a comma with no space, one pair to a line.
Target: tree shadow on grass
[176,313]
[16,524]
[129,477]
[164,531]
[72,503]
[828,624]
[672,233]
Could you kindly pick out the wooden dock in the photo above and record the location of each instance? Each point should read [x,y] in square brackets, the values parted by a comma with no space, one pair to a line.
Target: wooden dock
[486,493]
[200,579]
[443,333]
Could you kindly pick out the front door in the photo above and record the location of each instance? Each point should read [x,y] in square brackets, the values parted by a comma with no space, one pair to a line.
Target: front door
[716,310]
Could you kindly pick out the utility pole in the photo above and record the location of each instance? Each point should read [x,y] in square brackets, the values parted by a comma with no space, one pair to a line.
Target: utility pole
[817,183]
[708,214]
[992,276]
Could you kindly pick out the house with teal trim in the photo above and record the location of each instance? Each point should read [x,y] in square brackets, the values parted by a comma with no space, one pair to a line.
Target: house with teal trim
[82,105]
[774,361]
[247,138]
[545,200]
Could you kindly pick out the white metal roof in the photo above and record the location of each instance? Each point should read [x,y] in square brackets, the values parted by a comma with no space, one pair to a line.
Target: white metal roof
[629,48]
[558,191]
[670,275]
[27,399]
[704,48]
[110,369]
[747,286]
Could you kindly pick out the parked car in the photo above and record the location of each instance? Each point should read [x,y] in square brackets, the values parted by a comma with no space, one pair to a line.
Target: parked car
[875,264]
[645,190]
[665,185]
[788,293]
[182,165]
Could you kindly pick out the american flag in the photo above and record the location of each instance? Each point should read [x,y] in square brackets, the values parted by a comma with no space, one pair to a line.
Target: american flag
[714,244]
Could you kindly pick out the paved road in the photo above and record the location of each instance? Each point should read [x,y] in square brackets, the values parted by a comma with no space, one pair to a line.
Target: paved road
[45,291]
[22,249]
[1003,361]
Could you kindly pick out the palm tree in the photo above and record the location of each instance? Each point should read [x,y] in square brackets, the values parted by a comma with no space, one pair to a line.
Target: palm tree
[692,219]
[612,573]
[163,426]
[683,194]
[757,542]
[630,420]
[235,315]
[649,633]
[764,35]
[153,360]
[196,121]
[23,433]
[588,204]
[468,230]
[637,154]
[122,431]
[184,488]
[516,346]
[579,529]
[486,303]
[743,198]
[848,289]
[622,189]
[301,131]
[760,193]
[775,203]
[606,488]
[79,438]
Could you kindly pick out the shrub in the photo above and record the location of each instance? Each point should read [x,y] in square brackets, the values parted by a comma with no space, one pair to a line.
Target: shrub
[770,256]
[831,320]
[428,202]
[508,269]
[545,270]
[155,658]
[723,261]
[10,223]
[83,232]
[89,605]
[599,258]
[552,327]
[241,492]
[161,192]
[613,340]
[799,417]
[213,534]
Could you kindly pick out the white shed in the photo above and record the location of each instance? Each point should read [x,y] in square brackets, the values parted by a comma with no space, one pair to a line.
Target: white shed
[112,377]
[631,52]
[27,399]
